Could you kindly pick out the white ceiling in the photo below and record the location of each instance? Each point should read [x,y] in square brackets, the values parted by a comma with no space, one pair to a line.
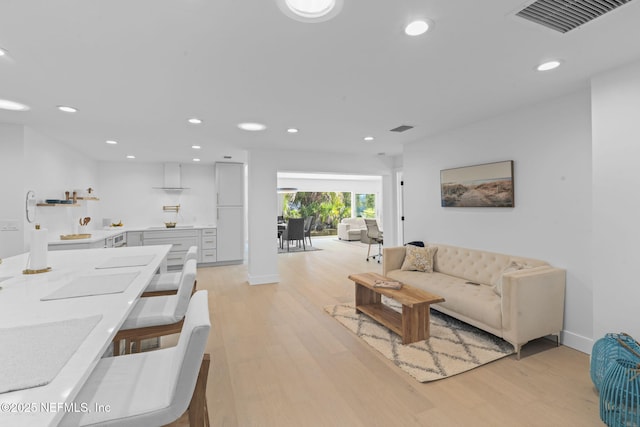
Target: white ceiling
[137,70]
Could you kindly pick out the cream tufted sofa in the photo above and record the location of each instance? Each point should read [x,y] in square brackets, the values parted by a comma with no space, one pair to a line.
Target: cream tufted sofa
[349,228]
[531,304]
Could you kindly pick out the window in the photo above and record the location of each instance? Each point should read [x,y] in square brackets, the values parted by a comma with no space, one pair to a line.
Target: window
[327,209]
[366,205]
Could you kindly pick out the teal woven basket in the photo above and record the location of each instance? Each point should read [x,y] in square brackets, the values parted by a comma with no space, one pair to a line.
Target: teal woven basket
[620,395]
[607,350]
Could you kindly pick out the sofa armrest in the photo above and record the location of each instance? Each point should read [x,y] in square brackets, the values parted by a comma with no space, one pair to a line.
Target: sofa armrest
[392,259]
[343,230]
[532,303]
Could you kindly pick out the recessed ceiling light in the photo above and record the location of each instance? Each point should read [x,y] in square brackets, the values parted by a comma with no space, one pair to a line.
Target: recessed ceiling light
[6,104]
[67,109]
[252,127]
[418,27]
[111,141]
[131,157]
[196,147]
[195,121]
[292,130]
[369,138]
[196,160]
[2,52]
[549,65]
[310,10]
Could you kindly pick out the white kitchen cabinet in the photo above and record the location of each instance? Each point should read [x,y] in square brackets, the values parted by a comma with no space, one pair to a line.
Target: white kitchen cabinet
[134,238]
[180,241]
[208,245]
[230,212]
[230,236]
[230,184]
[80,245]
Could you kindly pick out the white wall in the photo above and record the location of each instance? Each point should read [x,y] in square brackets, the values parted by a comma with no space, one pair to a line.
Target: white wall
[616,203]
[51,168]
[31,161]
[12,192]
[127,194]
[337,185]
[550,145]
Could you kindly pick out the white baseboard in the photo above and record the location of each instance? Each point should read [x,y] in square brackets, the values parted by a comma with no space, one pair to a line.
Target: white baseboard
[264,280]
[577,342]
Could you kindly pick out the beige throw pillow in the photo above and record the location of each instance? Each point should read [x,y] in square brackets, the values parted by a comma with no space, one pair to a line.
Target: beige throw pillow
[513,266]
[419,259]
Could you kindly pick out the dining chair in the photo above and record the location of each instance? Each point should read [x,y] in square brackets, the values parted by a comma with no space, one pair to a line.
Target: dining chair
[294,231]
[157,316]
[308,223]
[154,388]
[281,228]
[168,283]
[374,236]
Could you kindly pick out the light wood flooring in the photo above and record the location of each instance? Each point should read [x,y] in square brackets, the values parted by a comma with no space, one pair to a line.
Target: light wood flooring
[277,359]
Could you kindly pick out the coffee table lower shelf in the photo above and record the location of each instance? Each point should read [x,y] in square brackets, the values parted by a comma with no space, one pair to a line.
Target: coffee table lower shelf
[412,324]
[384,315]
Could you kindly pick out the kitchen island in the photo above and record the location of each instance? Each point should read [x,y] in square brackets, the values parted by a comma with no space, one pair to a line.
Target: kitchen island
[78,294]
[181,238]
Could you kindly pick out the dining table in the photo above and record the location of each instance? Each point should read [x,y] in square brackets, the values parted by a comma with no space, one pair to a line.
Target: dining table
[56,325]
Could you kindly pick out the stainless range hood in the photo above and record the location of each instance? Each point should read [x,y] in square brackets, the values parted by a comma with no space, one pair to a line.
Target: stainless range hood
[172,177]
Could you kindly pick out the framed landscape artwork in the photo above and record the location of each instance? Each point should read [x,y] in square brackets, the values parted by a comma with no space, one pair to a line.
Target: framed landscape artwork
[486,185]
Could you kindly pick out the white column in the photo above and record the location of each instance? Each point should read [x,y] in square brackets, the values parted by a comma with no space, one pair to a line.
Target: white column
[616,206]
[262,212]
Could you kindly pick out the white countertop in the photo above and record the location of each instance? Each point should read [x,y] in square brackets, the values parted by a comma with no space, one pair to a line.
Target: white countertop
[107,232]
[21,306]
[96,235]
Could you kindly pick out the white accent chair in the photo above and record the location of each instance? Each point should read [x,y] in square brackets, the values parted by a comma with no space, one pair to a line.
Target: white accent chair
[167,283]
[148,389]
[157,316]
[349,228]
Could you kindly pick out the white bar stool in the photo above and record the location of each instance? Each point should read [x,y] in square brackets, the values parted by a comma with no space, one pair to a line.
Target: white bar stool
[167,283]
[148,389]
[157,316]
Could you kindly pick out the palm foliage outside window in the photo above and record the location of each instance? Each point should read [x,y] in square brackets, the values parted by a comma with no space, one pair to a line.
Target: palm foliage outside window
[366,205]
[327,208]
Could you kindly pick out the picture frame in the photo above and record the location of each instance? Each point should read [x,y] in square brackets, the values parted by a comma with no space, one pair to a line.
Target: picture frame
[484,185]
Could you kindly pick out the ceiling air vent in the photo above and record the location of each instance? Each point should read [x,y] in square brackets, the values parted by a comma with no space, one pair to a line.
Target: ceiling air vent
[401,128]
[565,15]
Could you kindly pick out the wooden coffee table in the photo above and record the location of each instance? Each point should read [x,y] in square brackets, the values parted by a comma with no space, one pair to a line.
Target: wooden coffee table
[412,324]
